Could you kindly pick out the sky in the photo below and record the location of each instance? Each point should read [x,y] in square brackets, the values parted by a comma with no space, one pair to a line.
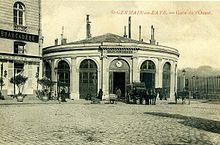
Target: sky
[191,27]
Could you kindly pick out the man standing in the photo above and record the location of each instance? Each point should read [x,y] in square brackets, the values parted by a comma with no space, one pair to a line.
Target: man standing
[100,94]
[63,99]
[118,93]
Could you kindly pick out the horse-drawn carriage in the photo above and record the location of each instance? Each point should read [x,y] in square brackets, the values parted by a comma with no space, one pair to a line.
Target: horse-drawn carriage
[135,92]
[113,98]
[183,95]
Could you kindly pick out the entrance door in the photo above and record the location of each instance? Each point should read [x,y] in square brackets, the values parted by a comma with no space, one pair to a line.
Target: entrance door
[63,78]
[119,82]
[88,84]
[88,79]
[119,76]
[148,71]
[148,79]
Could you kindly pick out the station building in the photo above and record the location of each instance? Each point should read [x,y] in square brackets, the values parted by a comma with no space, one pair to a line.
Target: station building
[20,39]
[110,61]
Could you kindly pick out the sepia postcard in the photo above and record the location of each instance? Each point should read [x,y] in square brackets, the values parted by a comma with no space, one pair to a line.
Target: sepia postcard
[106,72]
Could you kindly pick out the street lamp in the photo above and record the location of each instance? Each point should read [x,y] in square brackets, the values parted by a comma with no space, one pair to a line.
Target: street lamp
[184,84]
[37,76]
[193,86]
[197,85]
[184,79]
[2,80]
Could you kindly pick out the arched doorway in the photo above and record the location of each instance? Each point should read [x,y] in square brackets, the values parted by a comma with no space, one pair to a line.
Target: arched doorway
[88,78]
[147,74]
[63,78]
[119,77]
[166,79]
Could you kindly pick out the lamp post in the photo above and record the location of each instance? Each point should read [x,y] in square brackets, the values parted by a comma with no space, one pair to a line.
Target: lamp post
[2,80]
[37,76]
[184,79]
[1,76]
[197,85]
[193,86]
[184,84]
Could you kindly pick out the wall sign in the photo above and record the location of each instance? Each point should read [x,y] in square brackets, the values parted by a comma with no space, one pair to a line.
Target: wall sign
[119,51]
[19,36]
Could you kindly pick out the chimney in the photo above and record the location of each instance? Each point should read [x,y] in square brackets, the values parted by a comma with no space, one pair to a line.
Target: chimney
[88,27]
[152,40]
[140,33]
[125,35]
[129,27]
[56,41]
[63,41]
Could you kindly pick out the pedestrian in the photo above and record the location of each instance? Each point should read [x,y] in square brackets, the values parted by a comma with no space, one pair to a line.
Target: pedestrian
[158,97]
[141,95]
[154,95]
[150,92]
[175,97]
[100,94]
[58,98]
[118,93]
[147,98]
[165,94]
[63,99]
[134,95]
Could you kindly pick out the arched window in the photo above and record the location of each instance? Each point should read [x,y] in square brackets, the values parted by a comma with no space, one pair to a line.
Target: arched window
[148,65]
[166,79]
[63,73]
[147,73]
[88,78]
[19,14]
[63,78]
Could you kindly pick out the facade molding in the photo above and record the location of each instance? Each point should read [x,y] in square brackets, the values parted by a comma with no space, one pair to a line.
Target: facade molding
[105,55]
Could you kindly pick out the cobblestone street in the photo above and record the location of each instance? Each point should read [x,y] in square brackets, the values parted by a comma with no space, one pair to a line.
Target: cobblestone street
[84,123]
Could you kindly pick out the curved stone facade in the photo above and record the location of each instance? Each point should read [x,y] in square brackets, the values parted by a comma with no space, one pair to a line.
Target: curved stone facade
[109,62]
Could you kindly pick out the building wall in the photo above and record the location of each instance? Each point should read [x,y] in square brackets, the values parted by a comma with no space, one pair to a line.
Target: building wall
[7,46]
[32,54]
[103,61]
[32,8]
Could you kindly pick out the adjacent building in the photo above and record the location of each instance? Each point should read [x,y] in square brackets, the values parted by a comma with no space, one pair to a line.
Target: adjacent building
[20,39]
[108,62]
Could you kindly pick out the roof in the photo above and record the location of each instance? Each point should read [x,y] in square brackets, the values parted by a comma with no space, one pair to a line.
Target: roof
[108,37]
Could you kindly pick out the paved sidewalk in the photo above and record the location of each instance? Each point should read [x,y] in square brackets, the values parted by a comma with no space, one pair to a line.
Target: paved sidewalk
[78,122]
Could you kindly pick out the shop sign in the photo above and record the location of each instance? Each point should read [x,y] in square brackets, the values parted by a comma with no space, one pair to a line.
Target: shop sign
[18,36]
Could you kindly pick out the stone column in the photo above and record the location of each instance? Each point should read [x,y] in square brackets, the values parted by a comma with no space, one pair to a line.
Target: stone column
[74,85]
[54,75]
[99,79]
[176,78]
[159,74]
[29,87]
[27,73]
[105,77]
[135,71]
[172,81]
[10,86]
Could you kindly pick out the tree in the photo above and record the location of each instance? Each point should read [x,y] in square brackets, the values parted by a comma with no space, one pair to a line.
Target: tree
[19,81]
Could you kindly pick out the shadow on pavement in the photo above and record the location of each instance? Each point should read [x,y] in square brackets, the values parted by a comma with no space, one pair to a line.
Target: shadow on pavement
[214,101]
[199,123]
